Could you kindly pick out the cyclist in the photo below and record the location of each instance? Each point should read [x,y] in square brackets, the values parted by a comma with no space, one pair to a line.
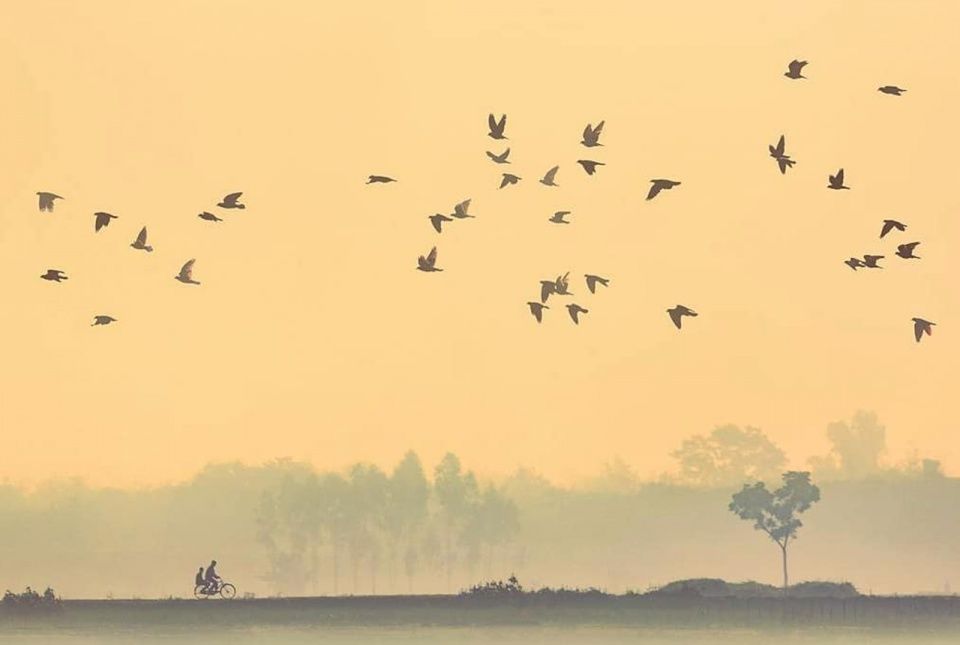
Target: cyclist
[211,579]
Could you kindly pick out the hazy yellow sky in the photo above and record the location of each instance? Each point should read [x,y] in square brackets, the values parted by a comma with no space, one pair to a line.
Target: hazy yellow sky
[312,336]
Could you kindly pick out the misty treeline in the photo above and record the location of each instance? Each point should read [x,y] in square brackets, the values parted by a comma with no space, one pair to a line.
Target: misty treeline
[367,522]
[286,527]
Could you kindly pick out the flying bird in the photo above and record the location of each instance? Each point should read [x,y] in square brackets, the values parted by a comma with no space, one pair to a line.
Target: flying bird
[141,242]
[870,261]
[230,201]
[546,288]
[836,181]
[548,179]
[590,166]
[561,285]
[438,220]
[428,263]
[889,225]
[103,320]
[794,69]
[101,220]
[921,327]
[536,308]
[891,89]
[210,217]
[575,310]
[557,218]
[906,251]
[54,275]
[500,158]
[660,184]
[496,127]
[378,179]
[591,135]
[460,210]
[508,179]
[677,313]
[854,263]
[186,273]
[593,280]
[46,201]
[778,152]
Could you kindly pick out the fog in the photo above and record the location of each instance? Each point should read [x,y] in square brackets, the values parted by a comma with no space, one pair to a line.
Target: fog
[285,528]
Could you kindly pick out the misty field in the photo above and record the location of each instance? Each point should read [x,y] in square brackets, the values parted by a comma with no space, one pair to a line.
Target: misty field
[453,619]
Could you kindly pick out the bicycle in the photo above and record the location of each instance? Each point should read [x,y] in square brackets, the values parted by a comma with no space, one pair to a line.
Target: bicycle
[222,589]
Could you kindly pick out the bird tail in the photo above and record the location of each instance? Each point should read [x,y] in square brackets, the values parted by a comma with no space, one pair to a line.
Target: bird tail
[148,249]
[241,206]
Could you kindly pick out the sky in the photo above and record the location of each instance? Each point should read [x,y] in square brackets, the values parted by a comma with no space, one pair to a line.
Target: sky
[312,335]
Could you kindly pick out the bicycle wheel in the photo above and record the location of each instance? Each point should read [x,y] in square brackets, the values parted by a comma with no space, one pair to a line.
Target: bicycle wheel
[198,592]
[228,590]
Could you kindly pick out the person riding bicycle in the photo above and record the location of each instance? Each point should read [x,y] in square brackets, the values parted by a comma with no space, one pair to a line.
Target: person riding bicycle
[211,579]
[198,581]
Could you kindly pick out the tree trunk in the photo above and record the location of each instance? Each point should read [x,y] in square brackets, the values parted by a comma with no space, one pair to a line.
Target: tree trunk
[336,565]
[786,580]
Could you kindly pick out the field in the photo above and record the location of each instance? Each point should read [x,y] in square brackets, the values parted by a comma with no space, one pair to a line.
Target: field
[526,619]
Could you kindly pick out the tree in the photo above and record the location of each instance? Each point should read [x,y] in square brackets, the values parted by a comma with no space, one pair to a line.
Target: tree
[455,492]
[856,448]
[728,456]
[776,513]
[408,494]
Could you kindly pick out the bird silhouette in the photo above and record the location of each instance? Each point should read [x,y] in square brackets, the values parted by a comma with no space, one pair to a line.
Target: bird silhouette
[54,275]
[590,166]
[460,210]
[677,313]
[141,242]
[379,179]
[853,263]
[546,288]
[102,219]
[593,280]
[794,68]
[438,220]
[210,217]
[103,320]
[561,285]
[186,273]
[889,225]
[575,310]
[500,158]
[548,179]
[921,327]
[497,127]
[536,308]
[428,263]
[906,251]
[508,179]
[557,218]
[660,184]
[836,181]
[891,89]
[46,201]
[231,201]
[778,153]
[591,135]
[870,261]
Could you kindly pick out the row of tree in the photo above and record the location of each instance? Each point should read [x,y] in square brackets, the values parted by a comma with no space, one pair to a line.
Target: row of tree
[367,522]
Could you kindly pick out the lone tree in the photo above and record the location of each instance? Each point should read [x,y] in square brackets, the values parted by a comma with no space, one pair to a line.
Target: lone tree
[776,513]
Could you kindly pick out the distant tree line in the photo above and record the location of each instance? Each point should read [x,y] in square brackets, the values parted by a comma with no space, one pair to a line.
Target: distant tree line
[366,525]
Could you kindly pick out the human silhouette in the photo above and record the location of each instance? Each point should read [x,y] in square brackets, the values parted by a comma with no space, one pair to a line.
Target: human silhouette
[210,578]
[199,581]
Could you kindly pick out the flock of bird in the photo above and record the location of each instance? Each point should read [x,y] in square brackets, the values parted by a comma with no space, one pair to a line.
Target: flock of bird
[102,220]
[559,286]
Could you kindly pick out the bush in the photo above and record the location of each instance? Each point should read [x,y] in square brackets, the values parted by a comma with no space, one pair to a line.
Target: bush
[30,598]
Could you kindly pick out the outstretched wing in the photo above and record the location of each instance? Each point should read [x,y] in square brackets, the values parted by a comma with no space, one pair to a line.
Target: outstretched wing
[654,190]
[781,146]
[917,330]
[546,288]
[142,237]
[186,271]
[591,283]
[840,177]
[232,198]
[548,178]
[676,316]
[432,256]
[461,208]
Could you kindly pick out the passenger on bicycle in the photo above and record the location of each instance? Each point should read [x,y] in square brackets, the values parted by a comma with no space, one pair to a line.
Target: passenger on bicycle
[199,580]
[211,579]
